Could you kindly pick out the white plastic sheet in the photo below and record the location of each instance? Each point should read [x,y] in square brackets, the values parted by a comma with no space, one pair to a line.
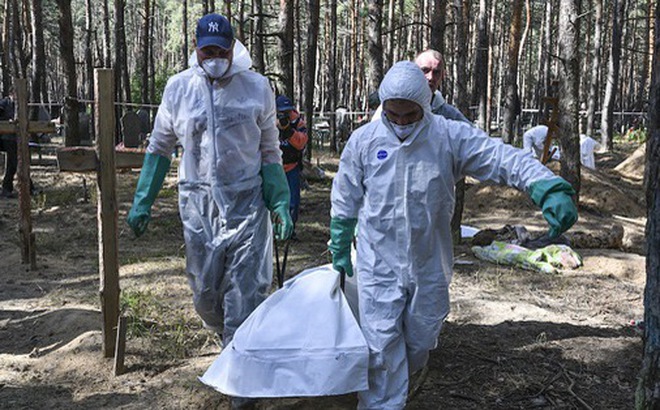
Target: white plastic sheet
[301,341]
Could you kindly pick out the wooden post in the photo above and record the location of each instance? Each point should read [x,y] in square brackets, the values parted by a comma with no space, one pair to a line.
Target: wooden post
[27,248]
[120,348]
[21,128]
[107,206]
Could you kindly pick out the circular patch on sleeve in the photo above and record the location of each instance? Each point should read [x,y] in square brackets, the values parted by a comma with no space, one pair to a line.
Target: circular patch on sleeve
[382,154]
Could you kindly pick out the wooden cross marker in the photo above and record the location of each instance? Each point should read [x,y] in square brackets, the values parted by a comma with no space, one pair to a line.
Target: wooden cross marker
[553,129]
[103,160]
[22,127]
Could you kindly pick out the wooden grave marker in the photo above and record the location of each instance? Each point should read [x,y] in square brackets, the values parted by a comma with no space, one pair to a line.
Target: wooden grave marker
[22,127]
[104,159]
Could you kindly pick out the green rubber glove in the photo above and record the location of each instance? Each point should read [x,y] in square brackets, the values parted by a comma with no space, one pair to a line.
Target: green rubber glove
[277,197]
[553,196]
[153,173]
[341,237]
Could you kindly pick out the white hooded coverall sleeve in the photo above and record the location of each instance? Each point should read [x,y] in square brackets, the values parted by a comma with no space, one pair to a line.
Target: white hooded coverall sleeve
[163,138]
[348,200]
[487,159]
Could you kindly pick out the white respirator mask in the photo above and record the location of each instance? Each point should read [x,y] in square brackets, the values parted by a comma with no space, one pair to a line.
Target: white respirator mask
[403,131]
[215,67]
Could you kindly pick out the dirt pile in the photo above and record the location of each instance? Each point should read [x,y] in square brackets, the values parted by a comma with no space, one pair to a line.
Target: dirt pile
[633,166]
[601,192]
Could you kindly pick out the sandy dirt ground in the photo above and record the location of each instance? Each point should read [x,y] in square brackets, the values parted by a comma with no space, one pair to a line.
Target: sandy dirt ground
[515,339]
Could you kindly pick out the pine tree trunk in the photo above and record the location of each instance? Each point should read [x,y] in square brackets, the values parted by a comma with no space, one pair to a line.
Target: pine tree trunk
[612,86]
[390,35]
[122,81]
[258,48]
[66,52]
[107,40]
[314,10]
[461,98]
[38,56]
[547,67]
[511,98]
[569,92]
[143,62]
[152,60]
[375,44]
[186,41]
[240,33]
[299,81]
[20,53]
[594,84]
[5,48]
[438,25]
[648,388]
[491,65]
[481,74]
[332,74]
[89,61]
[285,83]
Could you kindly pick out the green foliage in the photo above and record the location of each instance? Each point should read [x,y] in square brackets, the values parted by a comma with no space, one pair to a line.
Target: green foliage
[172,333]
[638,135]
[137,306]
[160,80]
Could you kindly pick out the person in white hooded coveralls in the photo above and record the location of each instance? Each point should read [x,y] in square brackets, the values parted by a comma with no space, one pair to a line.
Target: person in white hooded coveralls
[230,176]
[396,179]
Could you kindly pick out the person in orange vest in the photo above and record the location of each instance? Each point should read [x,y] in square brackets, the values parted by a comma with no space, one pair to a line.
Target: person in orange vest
[293,140]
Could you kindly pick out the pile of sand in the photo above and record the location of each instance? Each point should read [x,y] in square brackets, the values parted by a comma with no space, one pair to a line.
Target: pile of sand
[633,166]
[600,191]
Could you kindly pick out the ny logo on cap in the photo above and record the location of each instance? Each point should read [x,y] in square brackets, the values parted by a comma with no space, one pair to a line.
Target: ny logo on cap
[213,26]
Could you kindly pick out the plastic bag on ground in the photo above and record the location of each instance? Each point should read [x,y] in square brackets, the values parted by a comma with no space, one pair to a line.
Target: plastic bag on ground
[547,260]
[301,341]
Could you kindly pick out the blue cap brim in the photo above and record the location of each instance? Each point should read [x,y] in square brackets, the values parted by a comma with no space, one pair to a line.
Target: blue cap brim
[217,41]
[286,108]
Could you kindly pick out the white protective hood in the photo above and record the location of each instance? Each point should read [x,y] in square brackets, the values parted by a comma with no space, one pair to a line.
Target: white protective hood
[301,341]
[406,81]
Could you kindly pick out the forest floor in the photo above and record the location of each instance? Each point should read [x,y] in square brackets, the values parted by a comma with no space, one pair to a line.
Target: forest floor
[515,339]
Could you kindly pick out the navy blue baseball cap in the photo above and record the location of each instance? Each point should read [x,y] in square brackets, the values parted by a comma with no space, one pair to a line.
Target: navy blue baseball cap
[214,30]
[284,103]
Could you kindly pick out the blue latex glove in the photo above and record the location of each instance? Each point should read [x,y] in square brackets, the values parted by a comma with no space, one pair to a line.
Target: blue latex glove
[341,237]
[153,173]
[277,197]
[554,197]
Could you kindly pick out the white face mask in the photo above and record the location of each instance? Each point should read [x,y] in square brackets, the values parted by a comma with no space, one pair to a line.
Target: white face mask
[404,131]
[215,67]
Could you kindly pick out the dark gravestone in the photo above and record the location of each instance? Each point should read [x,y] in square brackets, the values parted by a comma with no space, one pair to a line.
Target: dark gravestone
[43,114]
[130,129]
[145,123]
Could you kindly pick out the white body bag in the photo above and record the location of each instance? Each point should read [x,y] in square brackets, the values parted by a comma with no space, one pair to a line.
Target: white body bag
[301,341]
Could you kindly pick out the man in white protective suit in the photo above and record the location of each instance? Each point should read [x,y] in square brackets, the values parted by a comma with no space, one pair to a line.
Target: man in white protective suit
[534,142]
[230,176]
[396,179]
